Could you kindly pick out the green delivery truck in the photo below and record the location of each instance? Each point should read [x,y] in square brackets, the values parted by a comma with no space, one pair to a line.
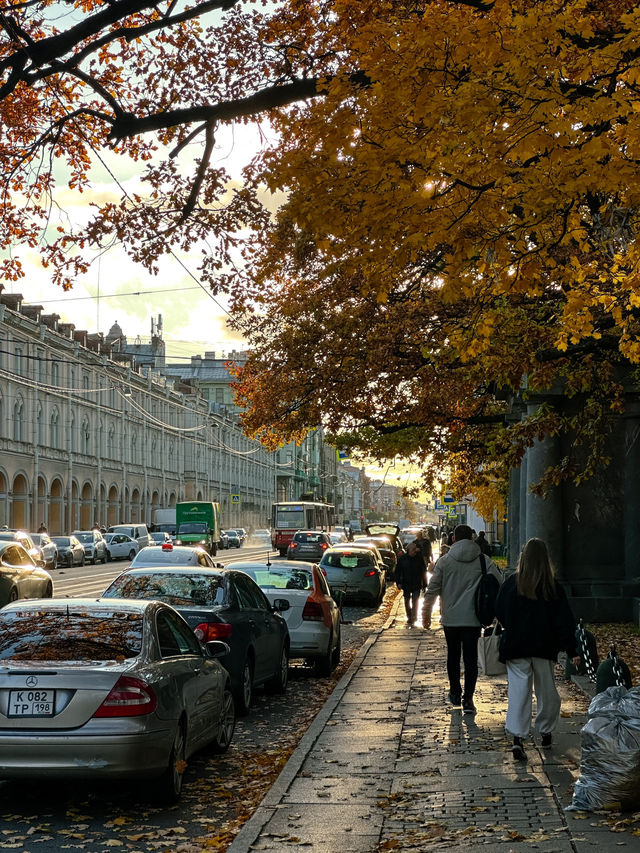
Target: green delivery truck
[198,523]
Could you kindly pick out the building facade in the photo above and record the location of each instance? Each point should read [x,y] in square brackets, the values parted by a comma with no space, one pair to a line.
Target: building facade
[86,440]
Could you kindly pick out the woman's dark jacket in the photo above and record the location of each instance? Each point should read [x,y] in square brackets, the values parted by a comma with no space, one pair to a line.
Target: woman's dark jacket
[411,573]
[534,628]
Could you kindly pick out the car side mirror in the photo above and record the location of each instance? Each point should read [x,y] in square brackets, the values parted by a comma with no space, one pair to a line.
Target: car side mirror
[280,605]
[216,649]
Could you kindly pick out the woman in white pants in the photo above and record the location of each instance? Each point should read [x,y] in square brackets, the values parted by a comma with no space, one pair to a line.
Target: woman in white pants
[538,623]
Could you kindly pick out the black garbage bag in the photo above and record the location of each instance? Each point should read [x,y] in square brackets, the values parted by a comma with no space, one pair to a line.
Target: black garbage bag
[610,763]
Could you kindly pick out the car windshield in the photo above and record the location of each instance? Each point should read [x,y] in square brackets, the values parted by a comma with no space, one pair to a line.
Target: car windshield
[285,578]
[8,537]
[175,589]
[60,540]
[84,537]
[192,527]
[74,634]
[309,537]
[158,537]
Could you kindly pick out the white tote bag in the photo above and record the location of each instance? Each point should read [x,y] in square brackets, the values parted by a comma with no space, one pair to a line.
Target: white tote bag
[488,652]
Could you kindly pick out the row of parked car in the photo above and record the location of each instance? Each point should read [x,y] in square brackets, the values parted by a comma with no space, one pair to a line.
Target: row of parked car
[133,683]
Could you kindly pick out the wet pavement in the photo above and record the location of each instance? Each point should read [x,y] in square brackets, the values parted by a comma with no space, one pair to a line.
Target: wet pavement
[388,764]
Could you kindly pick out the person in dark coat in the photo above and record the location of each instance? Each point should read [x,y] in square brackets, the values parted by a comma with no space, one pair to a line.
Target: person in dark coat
[538,623]
[481,539]
[425,548]
[411,578]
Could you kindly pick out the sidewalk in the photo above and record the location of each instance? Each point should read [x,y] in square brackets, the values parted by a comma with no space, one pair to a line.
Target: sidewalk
[388,765]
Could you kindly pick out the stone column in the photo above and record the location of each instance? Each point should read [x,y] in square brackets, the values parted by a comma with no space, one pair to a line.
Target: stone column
[544,515]
[513,526]
[631,499]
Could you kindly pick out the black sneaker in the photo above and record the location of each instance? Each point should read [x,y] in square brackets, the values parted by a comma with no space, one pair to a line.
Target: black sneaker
[518,750]
[547,740]
[455,698]
[468,707]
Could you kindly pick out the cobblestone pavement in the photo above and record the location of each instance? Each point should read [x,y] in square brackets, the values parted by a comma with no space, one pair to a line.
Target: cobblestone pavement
[389,765]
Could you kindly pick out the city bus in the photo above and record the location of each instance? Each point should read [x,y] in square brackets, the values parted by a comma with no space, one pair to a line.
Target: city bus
[289,516]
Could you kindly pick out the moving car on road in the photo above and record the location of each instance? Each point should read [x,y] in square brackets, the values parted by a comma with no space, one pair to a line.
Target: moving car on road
[107,689]
[20,577]
[233,540]
[313,617]
[223,605]
[120,546]
[70,551]
[308,545]
[159,537]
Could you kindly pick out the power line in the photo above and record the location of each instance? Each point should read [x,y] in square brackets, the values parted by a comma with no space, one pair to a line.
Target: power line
[110,295]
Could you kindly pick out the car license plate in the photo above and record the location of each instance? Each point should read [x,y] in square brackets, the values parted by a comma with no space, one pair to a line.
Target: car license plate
[31,703]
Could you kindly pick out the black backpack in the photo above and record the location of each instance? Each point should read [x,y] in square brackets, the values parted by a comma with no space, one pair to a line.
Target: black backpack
[486,594]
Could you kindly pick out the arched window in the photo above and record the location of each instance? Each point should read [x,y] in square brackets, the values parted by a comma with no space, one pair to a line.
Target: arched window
[55,373]
[18,420]
[54,435]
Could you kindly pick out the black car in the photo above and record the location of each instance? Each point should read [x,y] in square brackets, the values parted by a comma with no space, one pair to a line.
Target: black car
[221,604]
[308,545]
[383,544]
[233,540]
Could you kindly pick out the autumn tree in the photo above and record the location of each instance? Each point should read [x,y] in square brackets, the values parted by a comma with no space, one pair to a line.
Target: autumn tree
[460,185]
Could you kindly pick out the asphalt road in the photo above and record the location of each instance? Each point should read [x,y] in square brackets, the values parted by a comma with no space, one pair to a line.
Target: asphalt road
[219,792]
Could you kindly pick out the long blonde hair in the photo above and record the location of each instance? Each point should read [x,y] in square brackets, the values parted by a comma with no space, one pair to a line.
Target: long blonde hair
[535,572]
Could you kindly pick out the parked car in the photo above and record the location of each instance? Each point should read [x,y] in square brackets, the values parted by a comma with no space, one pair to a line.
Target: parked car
[313,617]
[389,529]
[135,530]
[159,537]
[233,539]
[223,542]
[70,551]
[120,546]
[95,547]
[383,544]
[356,572]
[221,604]
[261,538]
[101,690]
[47,547]
[20,576]
[173,555]
[25,540]
[308,545]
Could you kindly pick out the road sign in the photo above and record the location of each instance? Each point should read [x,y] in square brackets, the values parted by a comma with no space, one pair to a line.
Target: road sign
[448,498]
[235,499]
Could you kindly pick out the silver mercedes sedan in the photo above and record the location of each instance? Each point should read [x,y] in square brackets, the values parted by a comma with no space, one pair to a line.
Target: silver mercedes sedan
[99,689]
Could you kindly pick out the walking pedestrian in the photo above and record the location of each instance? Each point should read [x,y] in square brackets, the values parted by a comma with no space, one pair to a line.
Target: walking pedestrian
[424,546]
[538,623]
[42,528]
[484,545]
[455,578]
[411,578]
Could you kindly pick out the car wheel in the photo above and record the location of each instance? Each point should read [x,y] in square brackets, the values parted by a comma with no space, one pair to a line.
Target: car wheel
[70,561]
[104,557]
[84,560]
[227,723]
[169,785]
[324,663]
[48,593]
[94,559]
[132,554]
[244,694]
[54,565]
[336,654]
[13,595]
[278,684]
[109,556]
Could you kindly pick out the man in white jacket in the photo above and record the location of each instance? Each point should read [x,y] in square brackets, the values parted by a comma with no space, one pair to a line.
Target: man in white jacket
[455,579]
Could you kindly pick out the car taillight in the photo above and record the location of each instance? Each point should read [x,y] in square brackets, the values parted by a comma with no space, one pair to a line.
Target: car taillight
[370,573]
[324,571]
[293,545]
[207,631]
[324,545]
[129,697]
[312,611]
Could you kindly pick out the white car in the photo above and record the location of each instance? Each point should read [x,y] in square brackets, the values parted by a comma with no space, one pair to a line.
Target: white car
[313,617]
[171,555]
[260,538]
[120,546]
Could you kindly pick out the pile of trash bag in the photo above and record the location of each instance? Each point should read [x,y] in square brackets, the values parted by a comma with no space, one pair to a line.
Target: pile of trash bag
[610,764]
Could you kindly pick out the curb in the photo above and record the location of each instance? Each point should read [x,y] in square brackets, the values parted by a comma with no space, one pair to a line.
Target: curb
[250,830]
